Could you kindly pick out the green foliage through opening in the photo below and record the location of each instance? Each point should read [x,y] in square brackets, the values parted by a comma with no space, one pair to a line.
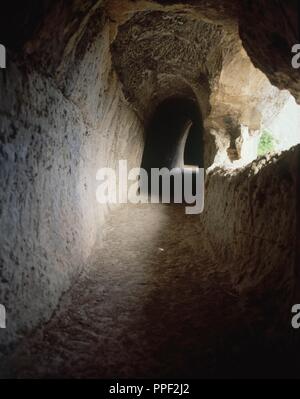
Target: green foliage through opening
[266,144]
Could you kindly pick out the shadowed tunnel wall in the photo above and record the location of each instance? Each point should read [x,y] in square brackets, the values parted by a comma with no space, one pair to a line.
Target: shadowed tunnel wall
[62,117]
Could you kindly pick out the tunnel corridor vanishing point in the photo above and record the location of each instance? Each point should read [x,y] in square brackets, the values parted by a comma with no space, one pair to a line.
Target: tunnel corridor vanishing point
[99,290]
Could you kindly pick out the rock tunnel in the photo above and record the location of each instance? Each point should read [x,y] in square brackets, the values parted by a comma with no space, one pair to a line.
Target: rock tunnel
[108,291]
[174,136]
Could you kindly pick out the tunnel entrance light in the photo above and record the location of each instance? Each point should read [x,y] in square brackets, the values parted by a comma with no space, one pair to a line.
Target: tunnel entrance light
[280,134]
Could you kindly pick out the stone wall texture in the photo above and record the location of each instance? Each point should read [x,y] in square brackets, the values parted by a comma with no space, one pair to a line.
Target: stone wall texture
[56,132]
[250,227]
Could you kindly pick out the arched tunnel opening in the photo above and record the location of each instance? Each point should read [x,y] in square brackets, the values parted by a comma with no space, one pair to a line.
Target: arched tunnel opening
[174,136]
[174,140]
[121,289]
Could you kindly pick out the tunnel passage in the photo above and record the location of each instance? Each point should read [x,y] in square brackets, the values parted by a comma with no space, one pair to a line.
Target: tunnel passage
[174,136]
[67,103]
[174,139]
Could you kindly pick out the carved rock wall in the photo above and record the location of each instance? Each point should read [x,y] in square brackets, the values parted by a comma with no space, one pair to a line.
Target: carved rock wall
[58,126]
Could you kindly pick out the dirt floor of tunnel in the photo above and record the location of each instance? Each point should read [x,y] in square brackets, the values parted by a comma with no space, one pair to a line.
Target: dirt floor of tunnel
[151,305]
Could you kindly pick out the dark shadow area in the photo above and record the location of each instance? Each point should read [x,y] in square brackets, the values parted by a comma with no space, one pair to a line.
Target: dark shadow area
[174,135]
[174,139]
[21,21]
[194,149]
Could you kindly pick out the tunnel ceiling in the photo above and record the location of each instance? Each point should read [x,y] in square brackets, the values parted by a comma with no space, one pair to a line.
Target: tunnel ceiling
[180,51]
[160,54]
[165,48]
[268,29]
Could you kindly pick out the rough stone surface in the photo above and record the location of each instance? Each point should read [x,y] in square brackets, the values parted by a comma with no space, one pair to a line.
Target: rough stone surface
[160,54]
[153,304]
[251,226]
[268,29]
[52,144]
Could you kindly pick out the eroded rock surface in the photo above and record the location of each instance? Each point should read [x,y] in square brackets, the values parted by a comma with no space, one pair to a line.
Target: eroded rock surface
[154,304]
[54,138]
[251,225]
